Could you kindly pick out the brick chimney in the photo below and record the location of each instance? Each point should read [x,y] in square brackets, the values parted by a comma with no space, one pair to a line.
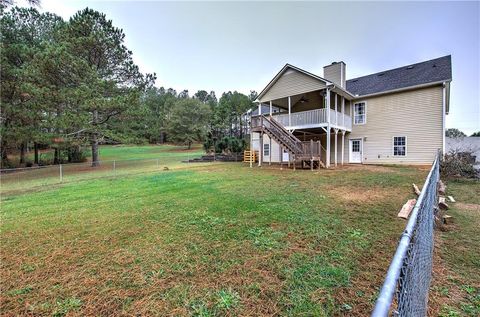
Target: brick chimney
[335,73]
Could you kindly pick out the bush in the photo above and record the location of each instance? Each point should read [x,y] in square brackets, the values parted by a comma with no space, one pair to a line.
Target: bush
[226,145]
[458,164]
[230,145]
[75,154]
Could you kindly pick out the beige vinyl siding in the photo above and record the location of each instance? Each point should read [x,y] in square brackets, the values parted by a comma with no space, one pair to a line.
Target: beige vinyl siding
[333,73]
[275,149]
[291,83]
[415,114]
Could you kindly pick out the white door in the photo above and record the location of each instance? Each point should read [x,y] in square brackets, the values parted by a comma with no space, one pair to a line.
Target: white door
[356,151]
[285,156]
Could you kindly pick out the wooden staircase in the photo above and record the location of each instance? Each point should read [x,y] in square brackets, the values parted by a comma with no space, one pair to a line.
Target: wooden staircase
[276,131]
[308,153]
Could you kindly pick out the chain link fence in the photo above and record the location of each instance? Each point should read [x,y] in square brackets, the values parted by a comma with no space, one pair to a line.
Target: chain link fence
[21,179]
[405,290]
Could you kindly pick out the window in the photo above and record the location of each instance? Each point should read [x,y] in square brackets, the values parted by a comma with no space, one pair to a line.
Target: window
[355,145]
[360,113]
[399,146]
[266,149]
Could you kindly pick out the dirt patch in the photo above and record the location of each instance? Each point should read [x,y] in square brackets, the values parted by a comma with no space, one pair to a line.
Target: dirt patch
[351,194]
[468,207]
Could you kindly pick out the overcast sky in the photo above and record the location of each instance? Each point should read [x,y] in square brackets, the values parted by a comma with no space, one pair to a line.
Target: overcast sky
[225,46]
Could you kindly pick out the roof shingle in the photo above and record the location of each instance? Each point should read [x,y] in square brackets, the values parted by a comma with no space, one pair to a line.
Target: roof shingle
[435,70]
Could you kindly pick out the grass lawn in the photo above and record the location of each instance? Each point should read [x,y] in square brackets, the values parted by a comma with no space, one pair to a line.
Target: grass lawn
[456,281]
[115,161]
[126,152]
[216,240]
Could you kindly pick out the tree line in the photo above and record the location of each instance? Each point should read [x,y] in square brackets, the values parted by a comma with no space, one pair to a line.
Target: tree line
[70,84]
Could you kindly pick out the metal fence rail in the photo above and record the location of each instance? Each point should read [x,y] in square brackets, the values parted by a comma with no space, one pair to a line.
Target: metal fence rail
[405,290]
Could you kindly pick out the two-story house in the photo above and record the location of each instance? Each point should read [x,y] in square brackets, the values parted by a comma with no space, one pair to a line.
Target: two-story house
[395,116]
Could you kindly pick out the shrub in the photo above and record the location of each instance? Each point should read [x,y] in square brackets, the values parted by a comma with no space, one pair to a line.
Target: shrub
[458,164]
[75,154]
[230,145]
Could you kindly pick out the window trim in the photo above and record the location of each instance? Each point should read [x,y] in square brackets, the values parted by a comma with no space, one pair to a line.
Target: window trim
[393,145]
[365,115]
[268,146]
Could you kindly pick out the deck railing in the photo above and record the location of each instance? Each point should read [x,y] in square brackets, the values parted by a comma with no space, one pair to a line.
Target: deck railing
[314,117]
[312,148]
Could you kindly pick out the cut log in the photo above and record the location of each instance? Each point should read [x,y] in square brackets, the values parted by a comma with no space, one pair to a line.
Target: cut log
[442,204]
[447,220]
[451,199]
[416,190]
[407,209]
[441,187]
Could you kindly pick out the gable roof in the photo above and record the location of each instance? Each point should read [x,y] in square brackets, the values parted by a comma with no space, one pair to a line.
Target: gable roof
[282,71]
[432,71]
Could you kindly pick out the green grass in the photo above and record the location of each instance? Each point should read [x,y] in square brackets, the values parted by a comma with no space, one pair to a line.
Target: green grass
[115,161]
[211,241]
[127,152]
[457,289]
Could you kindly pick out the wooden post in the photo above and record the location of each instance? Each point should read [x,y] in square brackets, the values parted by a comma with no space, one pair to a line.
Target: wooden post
[260,152]
[343,111]
[61,172]
[281,157]
[343,144]
[294,161]
[271,108]
[319,150]
[311,154]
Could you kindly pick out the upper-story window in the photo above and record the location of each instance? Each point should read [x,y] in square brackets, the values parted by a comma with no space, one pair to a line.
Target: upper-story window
[360,113]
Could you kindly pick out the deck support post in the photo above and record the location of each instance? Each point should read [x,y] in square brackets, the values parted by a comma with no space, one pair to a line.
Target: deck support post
[343,111]
[271,108]
[280,147]
[311,154]
[327,155]
[343,145]
[294,161]
[336,149]
[319,153]
[260,152]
